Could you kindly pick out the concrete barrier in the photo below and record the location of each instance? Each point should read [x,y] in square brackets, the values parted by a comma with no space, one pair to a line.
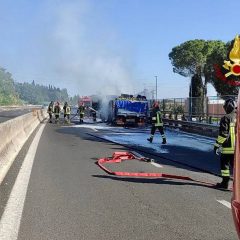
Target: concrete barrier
[13,134]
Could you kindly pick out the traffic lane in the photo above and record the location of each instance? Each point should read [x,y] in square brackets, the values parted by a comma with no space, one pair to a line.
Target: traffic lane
[4,119]
[181,170]
[188,149]
[69,197]
[9,180]
[9,114]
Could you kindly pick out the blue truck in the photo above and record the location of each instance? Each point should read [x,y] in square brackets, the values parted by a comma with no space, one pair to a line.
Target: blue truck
[129,111]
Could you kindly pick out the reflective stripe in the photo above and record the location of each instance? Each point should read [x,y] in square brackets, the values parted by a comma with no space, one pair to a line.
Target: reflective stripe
[230,150]
[232,134]
[68,110]
[154,118]
[225,173]
[221,139]
[158,117]
[163,136]
[159,120]
[227,152]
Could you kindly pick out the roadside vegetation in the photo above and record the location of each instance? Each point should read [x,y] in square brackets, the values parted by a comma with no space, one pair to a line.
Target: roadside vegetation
[200,61]
[14,93]
[8,95]
[197,61]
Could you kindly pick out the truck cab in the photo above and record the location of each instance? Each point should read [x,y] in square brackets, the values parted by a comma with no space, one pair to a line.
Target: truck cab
[129,111]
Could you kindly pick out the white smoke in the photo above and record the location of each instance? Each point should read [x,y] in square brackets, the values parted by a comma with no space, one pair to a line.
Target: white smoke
[82,52]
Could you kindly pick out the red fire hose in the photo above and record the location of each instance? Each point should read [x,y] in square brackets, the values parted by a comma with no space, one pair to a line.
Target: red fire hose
[118,157]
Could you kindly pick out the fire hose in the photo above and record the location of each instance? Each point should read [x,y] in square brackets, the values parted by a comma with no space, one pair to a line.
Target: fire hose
[118,157]
[74,116]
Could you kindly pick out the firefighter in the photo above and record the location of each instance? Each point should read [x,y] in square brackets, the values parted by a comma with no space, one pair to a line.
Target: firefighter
[50,111]
[81,110]
[225,142]
[157,123]
[66,112]
[94,115]
[57,111]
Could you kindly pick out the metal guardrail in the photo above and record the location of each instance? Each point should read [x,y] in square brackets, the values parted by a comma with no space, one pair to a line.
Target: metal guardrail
[193,127]
[208,109]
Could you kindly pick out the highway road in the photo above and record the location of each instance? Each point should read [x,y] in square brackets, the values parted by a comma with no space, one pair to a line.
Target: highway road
[54,190]
[7,113]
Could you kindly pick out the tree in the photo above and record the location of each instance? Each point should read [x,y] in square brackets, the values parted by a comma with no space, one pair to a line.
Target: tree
[189,60]
[8,94]
[196,93]
[190,57]
[38,94]
[214,70]
[13,93]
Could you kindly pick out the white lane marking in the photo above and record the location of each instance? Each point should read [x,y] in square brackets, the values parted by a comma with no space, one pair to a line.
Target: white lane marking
[156,165]
[11,218]
[225,203]
[94,129]
[141,156]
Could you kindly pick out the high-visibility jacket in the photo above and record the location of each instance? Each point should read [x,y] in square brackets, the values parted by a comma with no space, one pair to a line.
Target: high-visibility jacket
[50,108]
[68,110]
[226,137]
[157,118]
[57,110]
[81,109]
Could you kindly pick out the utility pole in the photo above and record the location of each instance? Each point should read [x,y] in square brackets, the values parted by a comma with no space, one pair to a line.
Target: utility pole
[156,87]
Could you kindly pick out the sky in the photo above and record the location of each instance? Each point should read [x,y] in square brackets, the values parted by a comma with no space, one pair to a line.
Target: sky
[108,46]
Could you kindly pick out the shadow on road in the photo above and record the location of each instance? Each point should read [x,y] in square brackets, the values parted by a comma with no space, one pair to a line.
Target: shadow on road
[161,181]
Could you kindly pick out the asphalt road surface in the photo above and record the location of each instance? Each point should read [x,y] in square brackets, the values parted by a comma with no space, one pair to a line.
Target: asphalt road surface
[60,193]
[9,113]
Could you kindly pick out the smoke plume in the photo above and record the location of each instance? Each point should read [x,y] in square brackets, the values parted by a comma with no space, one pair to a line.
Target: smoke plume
[82,51]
